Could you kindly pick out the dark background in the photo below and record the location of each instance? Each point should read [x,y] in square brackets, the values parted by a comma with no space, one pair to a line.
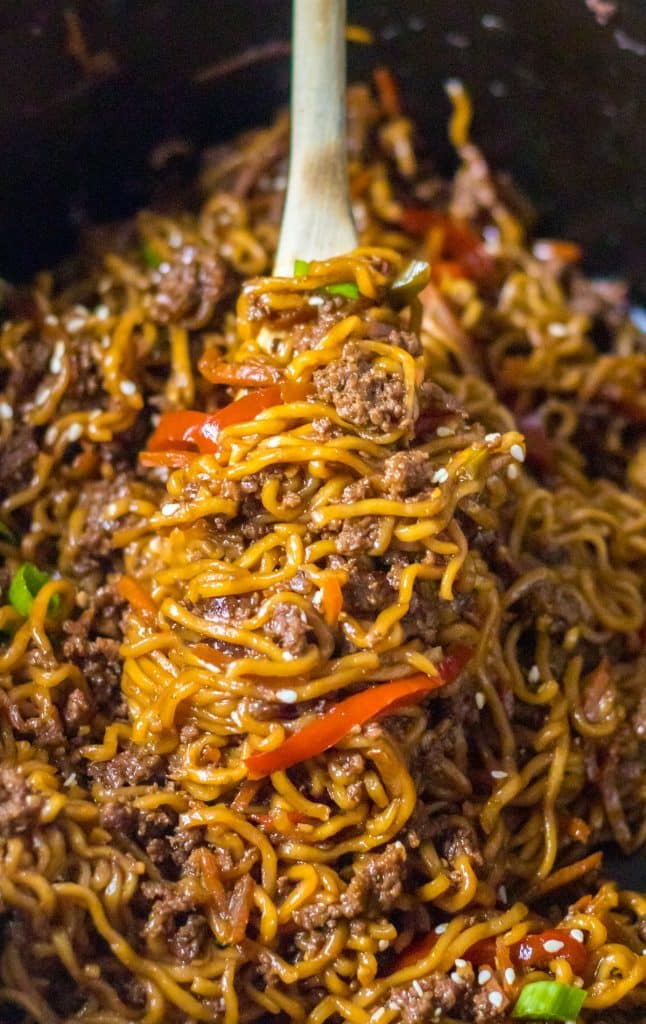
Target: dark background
[560,101]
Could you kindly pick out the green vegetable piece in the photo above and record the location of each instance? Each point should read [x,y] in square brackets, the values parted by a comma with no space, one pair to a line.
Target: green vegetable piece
[24,587]
[410,282]
[346,288]
[6,534]
[549,1000]
[150,255]
[301,268]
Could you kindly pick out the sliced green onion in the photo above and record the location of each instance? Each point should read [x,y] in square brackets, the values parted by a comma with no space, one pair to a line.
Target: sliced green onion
[410,282]
[301,268]
[150,255]
[346,288]
[6,534]
[24,587]
[549,1000]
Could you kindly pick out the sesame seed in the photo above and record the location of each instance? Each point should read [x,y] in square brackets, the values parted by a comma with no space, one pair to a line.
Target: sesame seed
[56,362]
[480,700]
[382,945]
[441,928]
[455,977]
[496,999]
[74,324]
[287,696]
[106,341]
[6,412]
[517,453]
[440,476]
[492,438]
[577,935]
[534,674]
[445,431]
[316,300]
[553,946]
[127,387]
[497,774]
[558,330]
[170,508]
[51,320]
[42,398]
[102,312]
[510,975]
[70,780]
[418,988]
[74,432]
[502,893]
[484,976]
[460,962]
[512,472]
[51,434]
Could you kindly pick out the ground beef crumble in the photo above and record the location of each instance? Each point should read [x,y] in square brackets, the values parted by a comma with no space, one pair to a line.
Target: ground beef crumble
[362,394]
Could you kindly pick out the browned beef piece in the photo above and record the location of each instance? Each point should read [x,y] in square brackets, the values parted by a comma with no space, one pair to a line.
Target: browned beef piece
[366,591]
[406,474]
[174,917]
[92,643]
[362,393]
[454,839]
[85,384]
[156,832]
[374,889]
[134,766]
[28,360]
[230,608]
[486,1003]
[92,548]
[16,458]
[358,536]
[419,1001]
[289,628]
[190,288]
[76,711]
[19,807]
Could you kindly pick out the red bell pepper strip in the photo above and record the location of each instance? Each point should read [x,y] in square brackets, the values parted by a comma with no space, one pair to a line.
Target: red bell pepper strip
[388,92]
[253,373]
[335,724]
[130,591]
[528,952]
[460,243]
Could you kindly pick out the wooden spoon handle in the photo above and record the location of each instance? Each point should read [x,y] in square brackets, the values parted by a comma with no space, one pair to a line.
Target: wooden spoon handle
[317,221]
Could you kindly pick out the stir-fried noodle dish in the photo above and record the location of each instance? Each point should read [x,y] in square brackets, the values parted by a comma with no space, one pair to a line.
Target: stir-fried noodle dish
[323,611]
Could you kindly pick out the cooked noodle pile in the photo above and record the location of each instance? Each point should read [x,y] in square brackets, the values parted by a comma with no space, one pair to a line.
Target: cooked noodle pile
[322,634]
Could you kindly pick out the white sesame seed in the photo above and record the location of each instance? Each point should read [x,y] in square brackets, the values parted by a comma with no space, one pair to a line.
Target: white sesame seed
[102,312]
[55,363]
[440,476]
[418,988]
[287,696]
[316,300]
[517,453]
[437,1012]
[106,341]
[455,977]
[496,999]
[553,946]
[51,434]
[492,438]
[484,976]
[43,396]
[441,928]
[170,508]
[534,674]
[512,472]
[70,780]
[558,330]
[480,700]
[51,320]
[577,935]
[74,431]
[445,431]
[502,893]
[6,412]
[497,774]
[460,962]
[382,945]
[74,324]
[127,387]
[510,975]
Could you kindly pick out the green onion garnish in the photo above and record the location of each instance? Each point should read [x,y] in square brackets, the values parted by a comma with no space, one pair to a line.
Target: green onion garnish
[24,587]
[549,1000]
[301,268]
[346,288]
[410,282]
[150,255]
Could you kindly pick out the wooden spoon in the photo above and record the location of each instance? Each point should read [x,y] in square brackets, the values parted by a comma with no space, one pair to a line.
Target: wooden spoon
[317,220]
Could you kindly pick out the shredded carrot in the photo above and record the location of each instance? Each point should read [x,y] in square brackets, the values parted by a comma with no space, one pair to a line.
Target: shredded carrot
[388,92]
[557,249]
[567,875]
[331,600]
[131,592]
[577,828]
[245,795]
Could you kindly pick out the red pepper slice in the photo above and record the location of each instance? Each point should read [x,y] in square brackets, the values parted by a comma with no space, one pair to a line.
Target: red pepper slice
[540,447]
[461,244]
[528,952]
[340,719]
[198,431]
[388,91]
[253,373]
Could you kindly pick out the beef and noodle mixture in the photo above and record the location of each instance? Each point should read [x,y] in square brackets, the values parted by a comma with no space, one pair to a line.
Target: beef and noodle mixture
[323,611]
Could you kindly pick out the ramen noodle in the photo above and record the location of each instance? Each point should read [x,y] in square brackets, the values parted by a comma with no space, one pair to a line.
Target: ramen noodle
[322,624]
